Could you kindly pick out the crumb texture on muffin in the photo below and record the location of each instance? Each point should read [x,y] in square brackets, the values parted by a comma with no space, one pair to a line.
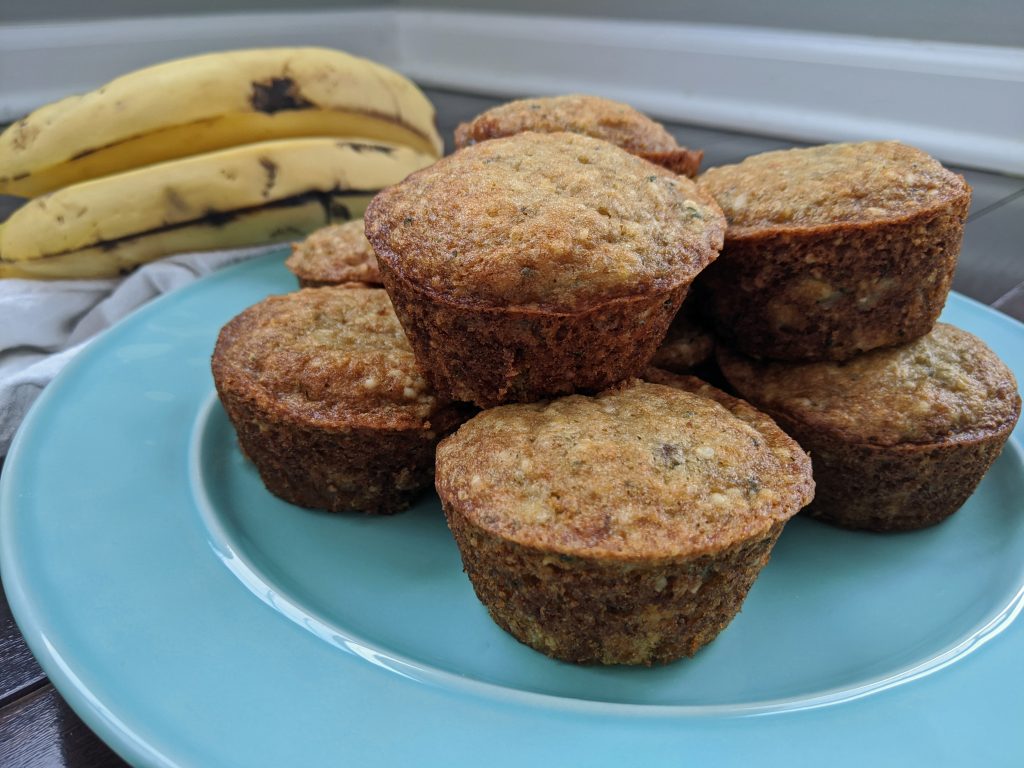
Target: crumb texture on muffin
[334,255]
[604,119]
[831,184]
[947,384]
[625,528]
[645,472]
[557,221]
[330,356]
[325,398]
[833,251]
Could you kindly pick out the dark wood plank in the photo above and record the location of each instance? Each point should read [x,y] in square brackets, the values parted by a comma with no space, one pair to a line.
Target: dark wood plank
[990,190]
[454,108]
[41,731]
[19,672]
[992,258]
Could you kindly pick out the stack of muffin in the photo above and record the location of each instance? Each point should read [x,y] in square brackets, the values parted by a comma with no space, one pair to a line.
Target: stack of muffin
[838,260]
[607,511]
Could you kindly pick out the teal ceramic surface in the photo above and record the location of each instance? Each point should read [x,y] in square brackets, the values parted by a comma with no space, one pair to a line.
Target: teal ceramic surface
[192,619]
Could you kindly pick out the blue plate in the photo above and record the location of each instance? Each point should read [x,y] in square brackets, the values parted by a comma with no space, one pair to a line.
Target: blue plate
[192,619]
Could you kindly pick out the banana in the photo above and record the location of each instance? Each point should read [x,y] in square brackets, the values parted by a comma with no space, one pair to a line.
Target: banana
[204,103]
[263,192]
[286,221]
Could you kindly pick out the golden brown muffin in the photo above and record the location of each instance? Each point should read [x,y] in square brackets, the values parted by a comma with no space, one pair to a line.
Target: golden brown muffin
[323,391]
[686,346]
[539,264]
[834,250]
[624,528]
[604,119]
[900,437]
[335,255]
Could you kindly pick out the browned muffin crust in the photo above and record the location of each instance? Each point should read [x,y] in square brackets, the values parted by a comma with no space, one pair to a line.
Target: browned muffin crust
[624,528]
[833,251]
[604,119]
[539,264]
[900,437]
[322,388]
[335,255]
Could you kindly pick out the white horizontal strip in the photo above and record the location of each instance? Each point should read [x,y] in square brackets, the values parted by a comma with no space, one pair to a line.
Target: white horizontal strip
[965,104]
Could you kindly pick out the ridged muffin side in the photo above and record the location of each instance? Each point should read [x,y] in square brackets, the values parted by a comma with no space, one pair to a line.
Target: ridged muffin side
[624,528]
[324,394]
[539,264]
[832,251]
[900,437]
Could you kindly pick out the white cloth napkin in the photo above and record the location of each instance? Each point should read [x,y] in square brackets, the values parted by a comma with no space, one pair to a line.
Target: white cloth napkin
[45,323]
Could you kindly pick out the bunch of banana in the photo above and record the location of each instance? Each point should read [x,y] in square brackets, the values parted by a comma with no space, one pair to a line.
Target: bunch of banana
[212,151]
[217,100]
[257,193]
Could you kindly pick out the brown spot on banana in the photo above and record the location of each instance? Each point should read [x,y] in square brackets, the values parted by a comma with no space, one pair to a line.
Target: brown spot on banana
[24,134]
[270,167]
[175,201]
[361,147]
[276,95]
[337,211]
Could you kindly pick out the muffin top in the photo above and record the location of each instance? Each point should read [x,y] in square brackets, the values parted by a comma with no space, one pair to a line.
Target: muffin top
[797,189]
[334,255]
[645,472]
[945,385]
[604,119]
[555,221]
[328,357]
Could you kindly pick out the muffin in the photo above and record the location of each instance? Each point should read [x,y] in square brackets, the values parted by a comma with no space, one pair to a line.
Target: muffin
[834,250]
[539,264]
[604,119]
[624,528]
[900,437]
[336,255]
[686,347]
[323,391]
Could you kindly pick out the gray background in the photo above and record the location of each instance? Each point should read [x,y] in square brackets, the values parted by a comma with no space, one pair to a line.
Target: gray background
[987,22]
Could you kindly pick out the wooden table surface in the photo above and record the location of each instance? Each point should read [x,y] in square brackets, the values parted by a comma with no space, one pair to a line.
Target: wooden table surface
[37,728]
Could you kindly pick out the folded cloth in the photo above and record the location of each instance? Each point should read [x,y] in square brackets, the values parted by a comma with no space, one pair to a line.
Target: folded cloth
[45,323]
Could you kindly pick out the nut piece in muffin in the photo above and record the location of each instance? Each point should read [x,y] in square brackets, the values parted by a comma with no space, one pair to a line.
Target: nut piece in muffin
[324,393]
[604,119]
[833,250]
[539,264]
[335,255]
[624,528]
[900,437]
